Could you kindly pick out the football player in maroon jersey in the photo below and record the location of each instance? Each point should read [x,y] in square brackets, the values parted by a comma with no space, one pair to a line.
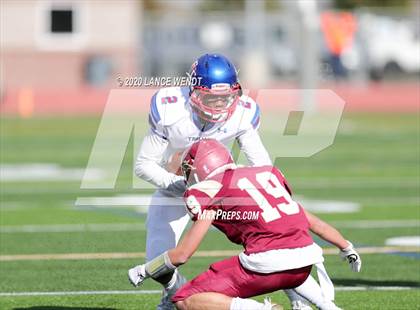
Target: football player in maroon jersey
[253,207]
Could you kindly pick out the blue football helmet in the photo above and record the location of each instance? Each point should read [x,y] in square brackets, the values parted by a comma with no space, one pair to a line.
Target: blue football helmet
[217,91]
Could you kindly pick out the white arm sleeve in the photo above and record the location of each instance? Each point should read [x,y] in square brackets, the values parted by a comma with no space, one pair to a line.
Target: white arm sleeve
[251,144]
[147,166]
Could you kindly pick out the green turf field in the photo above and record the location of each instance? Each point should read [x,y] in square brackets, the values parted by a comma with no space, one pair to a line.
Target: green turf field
[373,163]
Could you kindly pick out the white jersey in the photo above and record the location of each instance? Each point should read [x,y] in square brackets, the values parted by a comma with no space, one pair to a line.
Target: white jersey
[174,127]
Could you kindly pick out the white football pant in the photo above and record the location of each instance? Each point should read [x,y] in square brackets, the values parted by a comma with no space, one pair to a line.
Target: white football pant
[166,220]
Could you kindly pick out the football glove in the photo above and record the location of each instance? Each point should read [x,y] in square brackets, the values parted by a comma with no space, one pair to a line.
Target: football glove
[178,187]
[137,275]
[352,257]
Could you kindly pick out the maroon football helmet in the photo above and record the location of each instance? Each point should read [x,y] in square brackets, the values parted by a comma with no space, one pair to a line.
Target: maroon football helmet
[204,158]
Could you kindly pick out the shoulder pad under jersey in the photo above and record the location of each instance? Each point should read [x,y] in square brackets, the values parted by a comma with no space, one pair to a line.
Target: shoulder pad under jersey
[248,113]
[168,105]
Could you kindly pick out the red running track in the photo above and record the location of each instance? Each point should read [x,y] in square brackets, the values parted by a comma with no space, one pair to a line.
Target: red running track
[374,98]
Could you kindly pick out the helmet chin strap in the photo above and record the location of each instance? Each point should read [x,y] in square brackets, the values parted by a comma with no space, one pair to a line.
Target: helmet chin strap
[196,178]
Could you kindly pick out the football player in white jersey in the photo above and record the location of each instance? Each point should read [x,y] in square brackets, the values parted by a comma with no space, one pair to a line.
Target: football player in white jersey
[214,108]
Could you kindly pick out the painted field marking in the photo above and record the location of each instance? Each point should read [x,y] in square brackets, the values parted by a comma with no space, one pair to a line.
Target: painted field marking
[125,200]
[329,206]
[58,228]
[375,288]
[148,292]
[44,172]
[73,228]
[70,293]
[372,224]
[367,182]
[213,253]
[404,241]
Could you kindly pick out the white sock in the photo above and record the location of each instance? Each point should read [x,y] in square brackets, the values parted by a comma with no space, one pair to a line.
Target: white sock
[329,305]
[248,304]
[296,300]
[311,291]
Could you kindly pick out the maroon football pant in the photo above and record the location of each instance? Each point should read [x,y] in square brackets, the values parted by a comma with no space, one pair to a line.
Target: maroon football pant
[228,277]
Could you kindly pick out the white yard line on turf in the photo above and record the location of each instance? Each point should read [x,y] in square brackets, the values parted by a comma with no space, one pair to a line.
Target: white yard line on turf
[146,292]
[404,241]
[214,253]
[72,228]
[80,293]
[374,224]
[374,288]
[124,200]
[362,224]
[39,172]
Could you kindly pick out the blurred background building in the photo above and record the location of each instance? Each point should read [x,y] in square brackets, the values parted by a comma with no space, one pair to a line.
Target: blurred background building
[77,49]
[49,43]
[372,41]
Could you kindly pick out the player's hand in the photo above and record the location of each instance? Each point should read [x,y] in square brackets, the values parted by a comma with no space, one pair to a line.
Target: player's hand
[178,187]
[137,275]
[174,164]
[352,257]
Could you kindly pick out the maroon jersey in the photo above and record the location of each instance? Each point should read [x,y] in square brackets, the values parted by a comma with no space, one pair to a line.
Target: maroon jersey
[252,206]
